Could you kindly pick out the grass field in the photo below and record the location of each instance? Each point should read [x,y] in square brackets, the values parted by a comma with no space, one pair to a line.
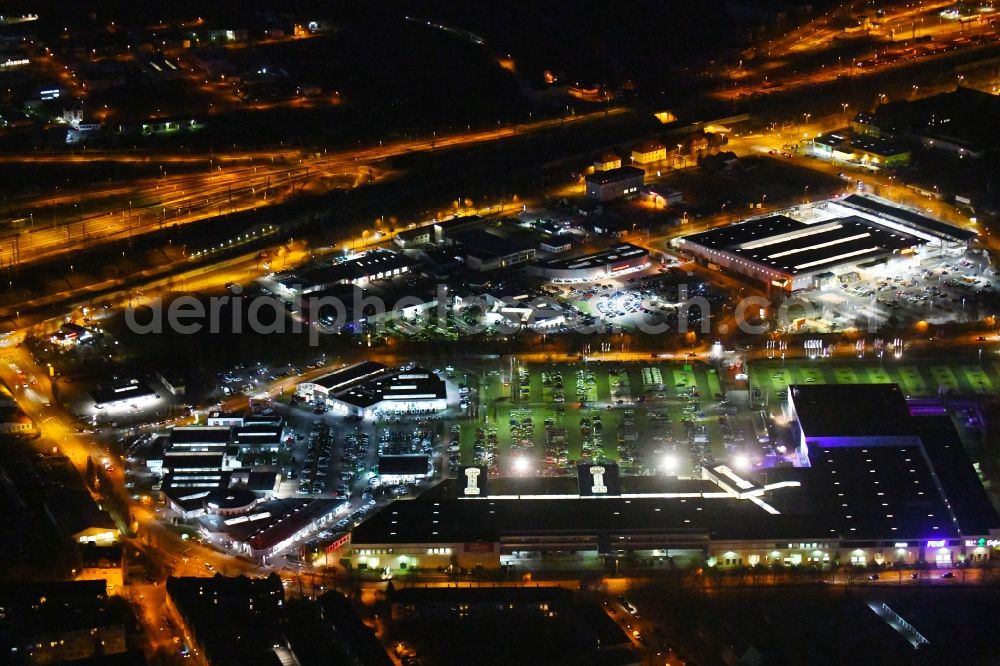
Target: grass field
[917,380]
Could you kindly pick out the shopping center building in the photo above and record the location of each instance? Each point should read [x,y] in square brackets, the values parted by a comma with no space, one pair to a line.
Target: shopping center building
[807,246]
[856,494]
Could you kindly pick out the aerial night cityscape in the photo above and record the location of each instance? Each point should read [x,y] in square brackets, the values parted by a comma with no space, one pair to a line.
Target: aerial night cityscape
[412,332]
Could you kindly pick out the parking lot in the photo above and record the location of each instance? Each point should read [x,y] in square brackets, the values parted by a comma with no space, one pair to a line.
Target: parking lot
[666,417]
[334,456]
[941,290]
[250,379]
[656,417]
[650,298]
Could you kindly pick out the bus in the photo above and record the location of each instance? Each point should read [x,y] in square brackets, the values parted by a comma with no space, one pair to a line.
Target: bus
[760,427]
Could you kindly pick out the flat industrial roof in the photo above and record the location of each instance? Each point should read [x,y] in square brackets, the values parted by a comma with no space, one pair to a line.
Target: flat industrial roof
[851,410]
[416,232]
[489,520]
[793,247]
[257,434]
[615,175]
[367,265]
[261,481]
[403,385]
[936,227]
[480,595]
[437,517]
[345,376]
[358,397]
[409,464]
[620,252]
[457,223]
[374,262]
[972,506]
[484,245]
[832,140]
[180,463]
[878,146]
[131,390]
[274,532]
[570,485]
[879,492]
[200,435]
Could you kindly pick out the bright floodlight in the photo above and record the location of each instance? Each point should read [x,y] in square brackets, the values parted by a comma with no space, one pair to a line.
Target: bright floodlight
[741,461]
[521,465]
[669,463]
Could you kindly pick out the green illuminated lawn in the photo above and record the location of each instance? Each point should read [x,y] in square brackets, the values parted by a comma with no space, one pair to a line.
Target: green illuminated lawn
[916,380]
[631,381]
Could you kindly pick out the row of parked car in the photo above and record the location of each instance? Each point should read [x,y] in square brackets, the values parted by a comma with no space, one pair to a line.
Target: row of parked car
[316,465]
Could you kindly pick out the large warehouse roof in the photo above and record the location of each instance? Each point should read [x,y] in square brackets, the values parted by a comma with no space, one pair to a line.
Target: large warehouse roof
[896,493]
[426,520]
[922,222]
[879,492]
[972,507]
[793,247]
[851,410]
